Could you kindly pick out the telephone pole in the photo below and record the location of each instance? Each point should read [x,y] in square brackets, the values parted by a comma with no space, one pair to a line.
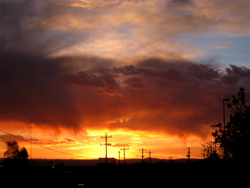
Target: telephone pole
[142,156]
[188,155]
[119,152]
[149,152]
[30,126]
[124,150]
[106,144]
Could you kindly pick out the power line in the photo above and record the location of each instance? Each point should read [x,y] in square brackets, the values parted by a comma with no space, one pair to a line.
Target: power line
[20,138]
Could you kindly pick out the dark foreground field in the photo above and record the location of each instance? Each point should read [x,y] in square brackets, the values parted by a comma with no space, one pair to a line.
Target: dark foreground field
[135,175]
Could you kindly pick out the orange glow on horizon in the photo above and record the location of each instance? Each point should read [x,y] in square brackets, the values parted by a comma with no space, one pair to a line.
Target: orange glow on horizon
[86,145]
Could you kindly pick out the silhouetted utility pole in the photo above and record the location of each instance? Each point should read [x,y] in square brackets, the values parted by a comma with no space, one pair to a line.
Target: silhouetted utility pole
[142,156]
[106,144]
[30,126]
[188,155]
[124,150]
[170,160]
[224,131]
[149,152]
[119,152]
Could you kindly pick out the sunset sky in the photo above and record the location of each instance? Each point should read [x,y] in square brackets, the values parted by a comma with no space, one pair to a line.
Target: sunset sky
[150,73]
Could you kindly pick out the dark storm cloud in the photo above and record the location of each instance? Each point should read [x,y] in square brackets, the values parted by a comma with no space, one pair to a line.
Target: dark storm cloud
[178,97]
[234,74]
[104,80]
[173,96]
[33,85]
[39,88]
[174,71]
[135,83]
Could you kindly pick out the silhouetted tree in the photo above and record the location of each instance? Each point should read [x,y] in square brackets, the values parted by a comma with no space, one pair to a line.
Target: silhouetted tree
[211,151]
[12,150]
[23,154]
[15,157]
[235,141]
